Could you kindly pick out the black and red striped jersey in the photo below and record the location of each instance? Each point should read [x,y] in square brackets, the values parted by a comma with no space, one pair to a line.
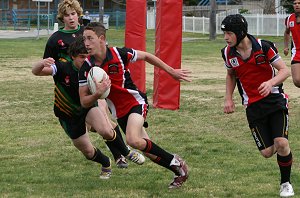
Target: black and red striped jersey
[254,70]
[59,42]
[66,100]
[123,92]
[294,27]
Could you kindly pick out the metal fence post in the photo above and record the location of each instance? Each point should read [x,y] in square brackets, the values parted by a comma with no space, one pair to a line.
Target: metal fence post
[203,25]
[277,24]
[257,24]
[117,19]
[193,24]
[183,25]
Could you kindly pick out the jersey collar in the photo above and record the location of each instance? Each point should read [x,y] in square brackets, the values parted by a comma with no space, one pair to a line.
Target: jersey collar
[107,58]
[255,45]
[69,31]
[73,66]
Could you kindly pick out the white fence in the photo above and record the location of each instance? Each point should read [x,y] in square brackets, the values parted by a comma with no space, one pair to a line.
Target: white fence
[258,24]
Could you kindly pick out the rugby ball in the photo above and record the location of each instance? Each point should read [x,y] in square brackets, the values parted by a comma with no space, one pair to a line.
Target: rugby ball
[99,74]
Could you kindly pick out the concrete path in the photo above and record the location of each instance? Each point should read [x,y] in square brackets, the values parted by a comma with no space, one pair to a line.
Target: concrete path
[11,34]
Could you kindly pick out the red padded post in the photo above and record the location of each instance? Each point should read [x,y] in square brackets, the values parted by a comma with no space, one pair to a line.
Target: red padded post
[135,37]
[168,46]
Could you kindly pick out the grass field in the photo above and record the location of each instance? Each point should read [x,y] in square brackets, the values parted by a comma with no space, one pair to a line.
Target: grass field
[38,160]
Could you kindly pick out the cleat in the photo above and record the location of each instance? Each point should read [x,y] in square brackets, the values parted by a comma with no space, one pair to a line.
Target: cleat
[105,172]
[121,162]
[135,157]
[180,166]
[286,190]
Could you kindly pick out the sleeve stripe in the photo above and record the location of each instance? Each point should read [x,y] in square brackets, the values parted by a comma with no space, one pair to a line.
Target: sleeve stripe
[83,83]
[134,56]
[275,58]
[54,69]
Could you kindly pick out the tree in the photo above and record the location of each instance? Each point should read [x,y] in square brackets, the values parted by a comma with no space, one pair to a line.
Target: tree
[190,2]
[269,7]
[212,20]
[288,5]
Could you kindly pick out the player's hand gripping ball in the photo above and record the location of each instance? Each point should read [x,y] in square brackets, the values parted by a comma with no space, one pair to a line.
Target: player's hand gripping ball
[99,74]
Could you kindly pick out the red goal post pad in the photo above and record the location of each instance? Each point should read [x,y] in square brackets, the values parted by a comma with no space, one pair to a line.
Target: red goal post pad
[168,45]
[135,37]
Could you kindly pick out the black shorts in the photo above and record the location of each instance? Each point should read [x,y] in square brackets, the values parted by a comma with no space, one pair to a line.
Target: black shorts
[74,128]
[294,62]
[140,109]
[264,130]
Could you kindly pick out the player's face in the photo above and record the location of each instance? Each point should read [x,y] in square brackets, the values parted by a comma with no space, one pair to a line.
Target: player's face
[296,6]
[79,60]
[71,19]
[93,42]
[230,38]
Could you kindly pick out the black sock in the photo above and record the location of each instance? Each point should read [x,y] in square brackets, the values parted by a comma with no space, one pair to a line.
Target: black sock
[285,165]
[117,129]
[117,144]
[99,157]
[165,164]
[154,149]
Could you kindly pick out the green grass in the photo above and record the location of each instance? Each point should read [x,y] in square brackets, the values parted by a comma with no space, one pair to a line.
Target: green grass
[38,160]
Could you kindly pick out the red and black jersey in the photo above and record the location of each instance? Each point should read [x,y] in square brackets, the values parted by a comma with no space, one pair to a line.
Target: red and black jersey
[59,42]
[123,92]
[67,101]
[294,27]
[251,73]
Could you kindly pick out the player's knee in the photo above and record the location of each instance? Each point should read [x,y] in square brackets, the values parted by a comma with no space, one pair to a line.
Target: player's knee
[281,144]
[296,82]
[267,153]
[135,142]
[106,132]
[88,152]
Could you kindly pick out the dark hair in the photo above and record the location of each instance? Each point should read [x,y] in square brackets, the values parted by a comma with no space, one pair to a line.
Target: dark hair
[237,24]
[96,27]
[77,47]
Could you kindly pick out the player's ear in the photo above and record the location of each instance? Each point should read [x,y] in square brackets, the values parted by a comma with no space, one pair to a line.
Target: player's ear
[102,37]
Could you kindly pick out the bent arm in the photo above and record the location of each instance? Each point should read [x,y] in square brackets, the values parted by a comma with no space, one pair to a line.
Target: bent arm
[43,67]
[87,99]
[283,73]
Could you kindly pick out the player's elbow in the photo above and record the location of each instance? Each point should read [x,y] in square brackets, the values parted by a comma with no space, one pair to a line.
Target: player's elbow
[34,72]
[296,82]
[84,104]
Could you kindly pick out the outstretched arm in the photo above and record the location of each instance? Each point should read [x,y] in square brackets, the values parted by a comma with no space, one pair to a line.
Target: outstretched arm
[177,74]
[43,67]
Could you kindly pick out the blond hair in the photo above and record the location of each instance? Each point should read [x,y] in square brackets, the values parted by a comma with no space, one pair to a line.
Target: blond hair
[68,4]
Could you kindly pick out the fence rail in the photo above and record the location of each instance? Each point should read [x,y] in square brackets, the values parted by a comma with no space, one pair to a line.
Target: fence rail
[258,24]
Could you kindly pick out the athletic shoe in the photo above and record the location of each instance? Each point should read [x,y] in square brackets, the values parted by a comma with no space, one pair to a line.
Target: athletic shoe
[286,190]
[135,157]
[106,172]
[121,162]
[180,166]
